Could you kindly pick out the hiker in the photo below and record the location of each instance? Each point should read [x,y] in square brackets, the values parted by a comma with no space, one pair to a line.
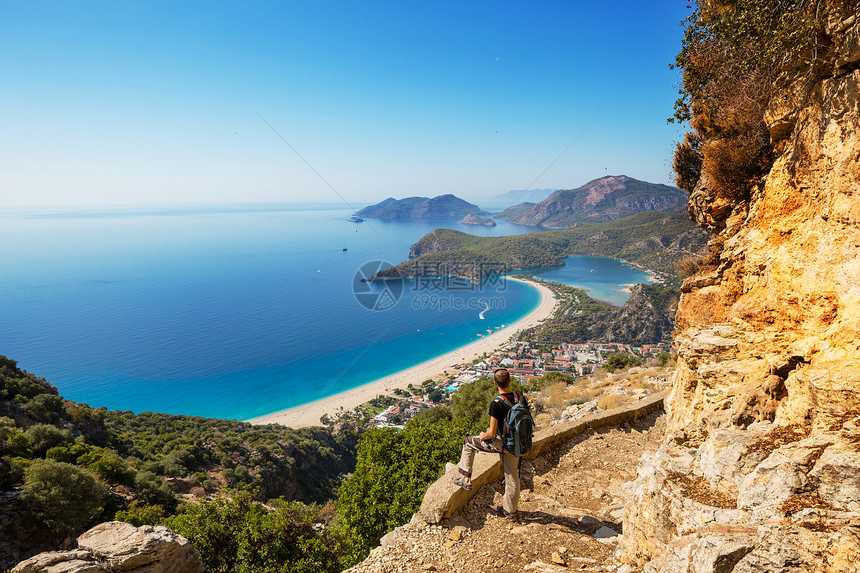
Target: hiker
[491,441]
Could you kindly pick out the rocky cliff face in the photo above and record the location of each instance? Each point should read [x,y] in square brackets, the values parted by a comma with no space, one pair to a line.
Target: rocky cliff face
[646,317]
[761,466]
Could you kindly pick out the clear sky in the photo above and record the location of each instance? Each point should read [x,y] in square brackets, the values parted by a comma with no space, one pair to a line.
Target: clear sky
[119,102]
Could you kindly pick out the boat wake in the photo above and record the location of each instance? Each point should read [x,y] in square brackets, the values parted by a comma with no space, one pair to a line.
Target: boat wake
[481,316]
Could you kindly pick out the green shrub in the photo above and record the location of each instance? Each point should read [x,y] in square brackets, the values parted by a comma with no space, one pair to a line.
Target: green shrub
[65,498]
[108,466]
[240,535]
[621,360]
[434,414]
[45,408]
[45,436]
[393,471]
[18,445]
[470,404]
[67,453]
[155,490]
[138,514]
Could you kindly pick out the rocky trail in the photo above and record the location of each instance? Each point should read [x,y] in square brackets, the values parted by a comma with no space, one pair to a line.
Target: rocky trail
[569,519]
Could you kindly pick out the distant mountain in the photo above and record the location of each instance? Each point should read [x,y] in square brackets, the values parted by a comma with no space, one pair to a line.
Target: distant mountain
[517,196]
[441,206]
[605,199]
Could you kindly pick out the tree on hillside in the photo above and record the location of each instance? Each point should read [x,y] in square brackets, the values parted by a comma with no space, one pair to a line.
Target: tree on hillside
[241,535]
[393,471]
[64,497]
[471,403]
[620,360]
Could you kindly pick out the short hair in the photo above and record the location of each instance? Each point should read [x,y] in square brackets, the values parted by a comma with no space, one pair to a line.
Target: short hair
[502,377]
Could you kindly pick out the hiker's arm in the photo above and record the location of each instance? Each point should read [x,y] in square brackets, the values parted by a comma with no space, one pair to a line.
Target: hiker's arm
[491,431]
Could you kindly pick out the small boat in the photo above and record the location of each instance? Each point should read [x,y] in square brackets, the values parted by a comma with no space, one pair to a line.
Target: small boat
[344,249]
[355,219]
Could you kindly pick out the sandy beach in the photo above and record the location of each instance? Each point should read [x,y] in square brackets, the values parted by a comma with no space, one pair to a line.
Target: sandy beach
[310,414]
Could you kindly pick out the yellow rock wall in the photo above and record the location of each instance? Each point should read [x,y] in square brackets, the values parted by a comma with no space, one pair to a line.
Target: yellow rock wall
[787,289]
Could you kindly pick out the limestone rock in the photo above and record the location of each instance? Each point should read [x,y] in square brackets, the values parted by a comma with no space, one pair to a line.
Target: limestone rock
[724,459]
[782,474]
[116,547]
[146,549]
[605,533]
[837,474]
[768,339]
[60,562]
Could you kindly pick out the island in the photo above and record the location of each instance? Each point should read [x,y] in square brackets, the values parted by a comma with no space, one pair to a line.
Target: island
[475,220]
[421,207]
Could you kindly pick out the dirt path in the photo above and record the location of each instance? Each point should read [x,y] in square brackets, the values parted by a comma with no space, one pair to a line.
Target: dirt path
[570,497]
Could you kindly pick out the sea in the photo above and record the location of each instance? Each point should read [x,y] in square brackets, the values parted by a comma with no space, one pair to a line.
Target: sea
[240,311]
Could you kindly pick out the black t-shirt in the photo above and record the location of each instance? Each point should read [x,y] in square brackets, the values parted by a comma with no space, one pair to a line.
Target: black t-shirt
[499,409]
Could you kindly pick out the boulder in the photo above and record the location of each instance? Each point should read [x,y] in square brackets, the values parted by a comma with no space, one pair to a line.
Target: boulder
[725,460]
[117,547]
[60,562]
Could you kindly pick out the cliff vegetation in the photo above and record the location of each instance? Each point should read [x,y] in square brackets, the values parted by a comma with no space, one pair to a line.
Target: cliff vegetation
[69,466]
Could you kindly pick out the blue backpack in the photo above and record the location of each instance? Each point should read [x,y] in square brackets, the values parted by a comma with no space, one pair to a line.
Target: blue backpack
[519,426]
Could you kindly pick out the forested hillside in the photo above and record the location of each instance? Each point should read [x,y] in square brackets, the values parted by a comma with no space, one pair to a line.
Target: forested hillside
[604,199]
[249,498]
[72,466]
[647,317]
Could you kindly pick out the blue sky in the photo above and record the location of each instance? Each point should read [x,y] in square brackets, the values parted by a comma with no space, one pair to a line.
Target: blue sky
[107,103]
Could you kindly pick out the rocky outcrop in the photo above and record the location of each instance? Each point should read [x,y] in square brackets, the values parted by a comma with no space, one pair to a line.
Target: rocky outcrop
[605,199]
[761,467]
[116,547]
[475,220]
[647,316]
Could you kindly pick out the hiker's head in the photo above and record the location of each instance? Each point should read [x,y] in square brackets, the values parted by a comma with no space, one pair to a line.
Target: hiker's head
[502,378]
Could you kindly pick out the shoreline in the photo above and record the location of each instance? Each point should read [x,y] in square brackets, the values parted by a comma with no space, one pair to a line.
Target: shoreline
[310,414]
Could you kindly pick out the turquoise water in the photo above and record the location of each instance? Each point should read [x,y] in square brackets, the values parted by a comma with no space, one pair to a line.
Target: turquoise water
[602,277]
[233,313]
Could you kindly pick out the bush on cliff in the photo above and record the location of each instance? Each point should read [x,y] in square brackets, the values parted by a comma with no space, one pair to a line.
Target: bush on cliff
[731,54]
[395,468]
[241,535]
[64,497]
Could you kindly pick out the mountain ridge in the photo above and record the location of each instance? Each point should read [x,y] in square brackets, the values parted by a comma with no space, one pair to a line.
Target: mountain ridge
[600,200]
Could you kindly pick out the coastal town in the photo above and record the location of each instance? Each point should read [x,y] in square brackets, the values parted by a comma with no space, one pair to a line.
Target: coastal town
[525,361]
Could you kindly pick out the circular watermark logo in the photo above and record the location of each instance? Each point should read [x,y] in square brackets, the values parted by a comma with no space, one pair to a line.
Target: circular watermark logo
[380,293]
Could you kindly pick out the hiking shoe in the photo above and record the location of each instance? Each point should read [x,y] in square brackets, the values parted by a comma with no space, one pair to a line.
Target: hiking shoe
[512,517]
[462,483]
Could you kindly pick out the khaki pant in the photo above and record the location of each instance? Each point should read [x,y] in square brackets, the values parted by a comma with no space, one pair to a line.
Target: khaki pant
[474,444]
